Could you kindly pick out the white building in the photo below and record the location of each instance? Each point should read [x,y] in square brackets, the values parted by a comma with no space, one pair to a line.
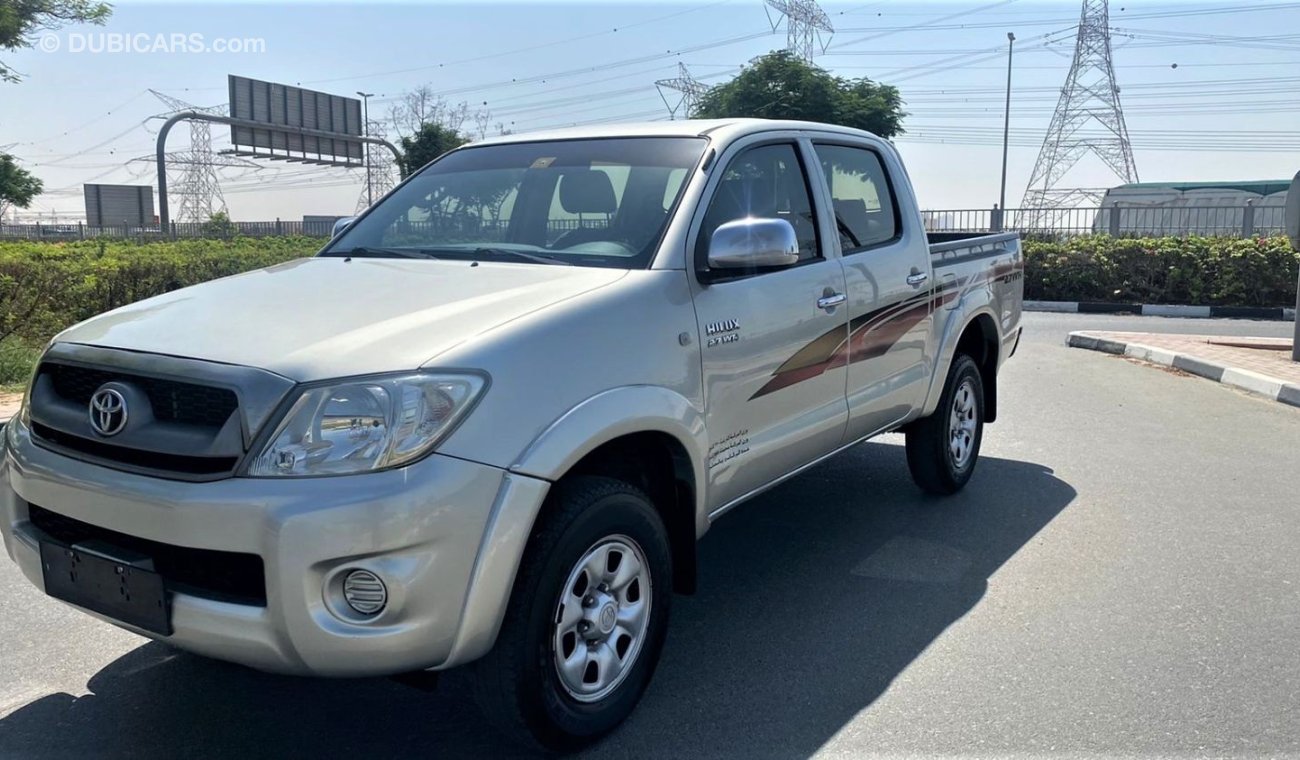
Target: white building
[1194,208]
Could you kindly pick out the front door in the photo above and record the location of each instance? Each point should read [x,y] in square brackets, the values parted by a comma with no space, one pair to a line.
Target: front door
[773,340]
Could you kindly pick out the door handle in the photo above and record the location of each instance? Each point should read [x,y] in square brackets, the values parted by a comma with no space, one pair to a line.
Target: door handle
[831,300]
[917,279]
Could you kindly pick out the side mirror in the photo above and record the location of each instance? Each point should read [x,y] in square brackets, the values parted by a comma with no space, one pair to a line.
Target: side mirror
[1293,212]
[341,225]
[753,243]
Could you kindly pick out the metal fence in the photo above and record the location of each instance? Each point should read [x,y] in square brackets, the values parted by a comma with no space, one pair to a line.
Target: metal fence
[175,230]
[182,230]
[1118,221]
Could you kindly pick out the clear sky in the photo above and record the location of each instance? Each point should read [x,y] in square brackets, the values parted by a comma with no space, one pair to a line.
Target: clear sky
[1211,89]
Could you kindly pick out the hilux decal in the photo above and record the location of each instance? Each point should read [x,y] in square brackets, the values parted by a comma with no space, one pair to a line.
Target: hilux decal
[722,331]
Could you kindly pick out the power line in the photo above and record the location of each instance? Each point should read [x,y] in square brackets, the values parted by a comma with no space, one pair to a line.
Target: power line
[923,25]
[89,123]
[527,49]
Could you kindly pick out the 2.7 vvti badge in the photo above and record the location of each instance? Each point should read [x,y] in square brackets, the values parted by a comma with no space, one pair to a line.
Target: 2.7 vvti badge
[487,423]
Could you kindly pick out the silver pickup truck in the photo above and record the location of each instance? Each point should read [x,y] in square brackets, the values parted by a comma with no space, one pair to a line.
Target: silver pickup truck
[489,420]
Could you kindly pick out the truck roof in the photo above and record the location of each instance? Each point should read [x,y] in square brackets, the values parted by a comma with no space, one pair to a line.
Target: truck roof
[725,129]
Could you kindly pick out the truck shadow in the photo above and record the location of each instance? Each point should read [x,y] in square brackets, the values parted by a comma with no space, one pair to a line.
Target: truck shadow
[813,599]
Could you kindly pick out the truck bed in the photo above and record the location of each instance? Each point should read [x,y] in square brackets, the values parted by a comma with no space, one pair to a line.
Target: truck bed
[951,247]
[967,264]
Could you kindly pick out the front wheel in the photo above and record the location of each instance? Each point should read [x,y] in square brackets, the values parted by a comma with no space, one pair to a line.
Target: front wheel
[942,449]
[586,621]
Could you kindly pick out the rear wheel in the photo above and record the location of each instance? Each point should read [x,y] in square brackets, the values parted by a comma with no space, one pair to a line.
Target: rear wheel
[586,621]
[942,449]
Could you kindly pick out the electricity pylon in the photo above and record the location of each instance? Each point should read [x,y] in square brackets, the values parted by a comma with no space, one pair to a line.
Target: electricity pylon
[380,170]
[805,22]
[197,185]
[691,90]
[1089,99]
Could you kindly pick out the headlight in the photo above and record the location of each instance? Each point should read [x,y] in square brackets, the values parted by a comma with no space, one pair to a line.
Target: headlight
[366,424]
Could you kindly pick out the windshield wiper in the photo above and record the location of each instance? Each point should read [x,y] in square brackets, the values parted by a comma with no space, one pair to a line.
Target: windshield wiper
[402,253]
[533,257]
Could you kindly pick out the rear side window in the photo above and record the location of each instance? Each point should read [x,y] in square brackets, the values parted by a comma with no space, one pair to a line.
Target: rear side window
[866,213]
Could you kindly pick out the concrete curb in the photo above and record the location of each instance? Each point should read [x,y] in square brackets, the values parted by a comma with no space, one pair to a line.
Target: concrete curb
[1274,313]
[1241,379]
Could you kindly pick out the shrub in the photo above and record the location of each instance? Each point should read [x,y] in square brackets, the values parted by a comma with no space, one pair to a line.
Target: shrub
[45,287]
[1193,270]
[16,362]
[219,226]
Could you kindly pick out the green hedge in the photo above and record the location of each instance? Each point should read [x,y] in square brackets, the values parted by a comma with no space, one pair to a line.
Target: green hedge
[1194,271]
[45,287]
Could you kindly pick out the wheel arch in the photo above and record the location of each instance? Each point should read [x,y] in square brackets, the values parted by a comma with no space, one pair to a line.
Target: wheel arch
[978,338]
[611,434]
[649,436]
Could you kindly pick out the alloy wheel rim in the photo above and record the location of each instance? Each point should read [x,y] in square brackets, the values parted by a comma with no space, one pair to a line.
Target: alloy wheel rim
[601,618]
[962,422]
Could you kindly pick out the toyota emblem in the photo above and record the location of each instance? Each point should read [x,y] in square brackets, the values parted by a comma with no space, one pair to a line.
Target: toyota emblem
[107,412]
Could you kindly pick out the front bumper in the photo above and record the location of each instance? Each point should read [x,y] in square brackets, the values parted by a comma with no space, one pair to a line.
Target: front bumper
[444,534]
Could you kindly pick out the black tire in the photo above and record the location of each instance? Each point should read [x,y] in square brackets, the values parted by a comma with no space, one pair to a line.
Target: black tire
[929,454]
[517,684]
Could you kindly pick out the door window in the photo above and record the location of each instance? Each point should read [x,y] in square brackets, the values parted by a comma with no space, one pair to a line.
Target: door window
[767,182]
[865,211]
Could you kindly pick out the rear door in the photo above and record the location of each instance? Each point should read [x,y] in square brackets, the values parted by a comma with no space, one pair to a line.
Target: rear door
[773,361]
[887,270]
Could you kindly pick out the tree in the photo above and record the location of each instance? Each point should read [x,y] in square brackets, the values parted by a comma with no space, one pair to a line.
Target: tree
[21,21]
[219,226]
[17,186]
[429,142]
[781,85]
[421,106]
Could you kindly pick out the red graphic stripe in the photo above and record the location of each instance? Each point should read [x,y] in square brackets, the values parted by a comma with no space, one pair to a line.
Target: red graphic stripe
[873,334]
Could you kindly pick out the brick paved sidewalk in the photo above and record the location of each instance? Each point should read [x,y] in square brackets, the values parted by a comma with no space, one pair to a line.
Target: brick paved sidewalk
[1272,357]
[1257,365]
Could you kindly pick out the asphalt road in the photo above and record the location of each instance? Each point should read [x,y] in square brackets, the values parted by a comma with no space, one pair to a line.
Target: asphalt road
[1120,577]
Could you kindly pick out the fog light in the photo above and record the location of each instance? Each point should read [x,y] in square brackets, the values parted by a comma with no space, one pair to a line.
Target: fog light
[364,592]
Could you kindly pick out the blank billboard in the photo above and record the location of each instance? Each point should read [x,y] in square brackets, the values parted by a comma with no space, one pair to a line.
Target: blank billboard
[291,108]
[119,205]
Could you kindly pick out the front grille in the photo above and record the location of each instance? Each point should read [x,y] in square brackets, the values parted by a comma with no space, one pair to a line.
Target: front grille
[149,460]
[188,436]
[172,400]
[222,576]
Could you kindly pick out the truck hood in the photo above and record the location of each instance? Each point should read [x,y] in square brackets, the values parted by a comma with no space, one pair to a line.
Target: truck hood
[320,318]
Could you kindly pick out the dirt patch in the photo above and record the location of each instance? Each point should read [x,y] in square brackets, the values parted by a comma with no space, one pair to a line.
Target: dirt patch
[1153,365]
[9,403]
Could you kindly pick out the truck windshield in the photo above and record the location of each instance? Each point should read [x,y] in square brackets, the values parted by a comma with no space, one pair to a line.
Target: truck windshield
[600,202]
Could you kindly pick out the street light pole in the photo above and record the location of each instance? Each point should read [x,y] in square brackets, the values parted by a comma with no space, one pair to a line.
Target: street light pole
[365,99]
[1292,222]
[1006,127]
